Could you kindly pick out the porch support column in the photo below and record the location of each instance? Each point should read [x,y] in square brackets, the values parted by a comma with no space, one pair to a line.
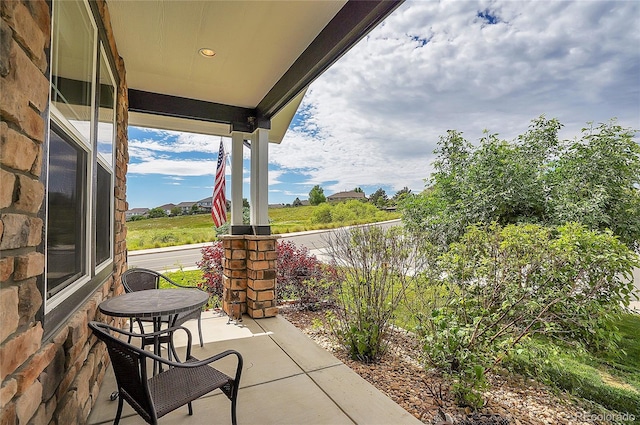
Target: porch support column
[237,225]
[261,263]
[260,182]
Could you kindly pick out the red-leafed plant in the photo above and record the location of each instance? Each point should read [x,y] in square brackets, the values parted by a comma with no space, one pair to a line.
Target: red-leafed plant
[211,266]
[300,275]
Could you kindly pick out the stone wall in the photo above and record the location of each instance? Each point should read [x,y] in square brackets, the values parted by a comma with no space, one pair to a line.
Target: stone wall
[54,380]
[249,275]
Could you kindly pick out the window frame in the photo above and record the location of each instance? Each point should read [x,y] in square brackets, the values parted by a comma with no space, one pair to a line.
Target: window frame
[56,308]
[100,161]
[71,286]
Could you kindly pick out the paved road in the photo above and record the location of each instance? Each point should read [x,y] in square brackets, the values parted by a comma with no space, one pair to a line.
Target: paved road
[185,256]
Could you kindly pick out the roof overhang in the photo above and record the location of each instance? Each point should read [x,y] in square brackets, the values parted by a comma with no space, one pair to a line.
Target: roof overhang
[267,54]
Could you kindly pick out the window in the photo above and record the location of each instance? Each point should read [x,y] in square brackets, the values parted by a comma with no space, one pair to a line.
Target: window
[80,168]
[105,175]
[65,240]
[103,215]
[72,64]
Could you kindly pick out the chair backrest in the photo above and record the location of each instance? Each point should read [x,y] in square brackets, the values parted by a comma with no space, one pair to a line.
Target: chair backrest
[129,366]
[136,279]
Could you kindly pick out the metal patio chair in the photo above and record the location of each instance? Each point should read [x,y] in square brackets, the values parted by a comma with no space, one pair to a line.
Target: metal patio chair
[140,279]
[180,384]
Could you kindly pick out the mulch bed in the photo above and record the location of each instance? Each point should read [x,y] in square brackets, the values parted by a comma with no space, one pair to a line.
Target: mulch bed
[424,394]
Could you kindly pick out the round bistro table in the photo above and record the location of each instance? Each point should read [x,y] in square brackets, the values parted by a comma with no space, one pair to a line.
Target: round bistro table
[155,304]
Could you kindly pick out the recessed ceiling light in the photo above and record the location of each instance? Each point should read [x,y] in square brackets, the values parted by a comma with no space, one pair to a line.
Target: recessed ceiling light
[207,53]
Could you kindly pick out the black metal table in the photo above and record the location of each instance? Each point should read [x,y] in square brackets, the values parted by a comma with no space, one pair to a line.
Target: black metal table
[155,304]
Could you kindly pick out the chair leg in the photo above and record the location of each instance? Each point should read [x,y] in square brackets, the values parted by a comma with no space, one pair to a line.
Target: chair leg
[130,329]
[190,409]
[234,419]
[116,421]
[200,332]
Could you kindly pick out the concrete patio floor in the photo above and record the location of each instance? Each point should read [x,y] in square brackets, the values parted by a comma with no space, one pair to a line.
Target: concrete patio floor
[287,379]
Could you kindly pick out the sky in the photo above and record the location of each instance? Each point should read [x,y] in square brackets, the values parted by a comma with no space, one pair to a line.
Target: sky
[375,117]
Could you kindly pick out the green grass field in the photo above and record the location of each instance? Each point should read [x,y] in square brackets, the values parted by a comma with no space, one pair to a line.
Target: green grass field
[189,229]
[609,380]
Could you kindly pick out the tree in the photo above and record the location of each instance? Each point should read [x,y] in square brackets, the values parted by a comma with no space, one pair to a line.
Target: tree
[316,195]
[245,203]
[175,211]
[358,190]
[297,202]
[156,213]
[195,209]
[596,182]
[379,198]
[534,179]
[400,195]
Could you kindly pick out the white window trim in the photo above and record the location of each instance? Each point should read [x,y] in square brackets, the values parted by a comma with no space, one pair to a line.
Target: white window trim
[57,299]
[109,167]
[88,147]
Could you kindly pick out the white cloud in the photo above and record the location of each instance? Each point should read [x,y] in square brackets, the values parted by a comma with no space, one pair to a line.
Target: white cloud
[173,167]
[374,118]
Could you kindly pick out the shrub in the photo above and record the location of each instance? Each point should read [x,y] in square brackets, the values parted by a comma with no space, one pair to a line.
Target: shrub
[303,277]
[376,267]
[344,213]
[322,214]
[504,285]
[211,266]
[536,178]
[300,275]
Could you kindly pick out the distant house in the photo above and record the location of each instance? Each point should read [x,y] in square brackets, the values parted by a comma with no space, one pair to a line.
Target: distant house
[205,204]
[346,196]
[167,208]
[135,212]
[185,207]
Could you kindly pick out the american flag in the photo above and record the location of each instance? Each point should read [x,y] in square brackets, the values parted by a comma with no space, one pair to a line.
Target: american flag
[219,200]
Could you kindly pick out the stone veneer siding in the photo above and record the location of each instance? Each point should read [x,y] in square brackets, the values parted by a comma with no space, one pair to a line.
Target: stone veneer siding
[249,276]
[52,381]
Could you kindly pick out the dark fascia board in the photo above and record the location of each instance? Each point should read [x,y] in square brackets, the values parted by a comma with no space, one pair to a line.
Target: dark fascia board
[240,119]
[354,21]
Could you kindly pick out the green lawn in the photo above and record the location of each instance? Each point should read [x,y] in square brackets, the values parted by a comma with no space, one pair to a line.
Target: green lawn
[609,380]
[182,230]
[189,278]
[169,231]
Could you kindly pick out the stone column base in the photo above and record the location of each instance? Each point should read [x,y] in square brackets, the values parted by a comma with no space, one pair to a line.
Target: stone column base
[249,275]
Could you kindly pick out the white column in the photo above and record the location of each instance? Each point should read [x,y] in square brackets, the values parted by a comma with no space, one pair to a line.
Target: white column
[237,140]
[260,178]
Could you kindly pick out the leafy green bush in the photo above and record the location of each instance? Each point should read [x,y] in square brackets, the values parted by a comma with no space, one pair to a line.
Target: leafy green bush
[349,212]
[536,178]
[376,267]
[504,285]
[322,214]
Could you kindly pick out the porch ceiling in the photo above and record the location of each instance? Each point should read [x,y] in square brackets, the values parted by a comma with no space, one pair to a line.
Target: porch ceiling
[267,53]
